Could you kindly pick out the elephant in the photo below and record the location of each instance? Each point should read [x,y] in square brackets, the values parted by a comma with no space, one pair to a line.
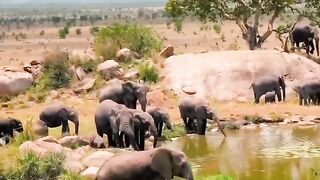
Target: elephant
[160,117]
[127,93]
[8,126]
[155,164]
[309,91]
[270,97]
[143,122]
[305,34]
[267,84]
[192,108]
[56,115]
[112,118]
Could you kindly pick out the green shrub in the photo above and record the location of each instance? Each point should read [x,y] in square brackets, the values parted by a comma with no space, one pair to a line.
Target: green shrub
[148,73]
[30,166]
[217,28]
[139,39]
[26,135]
[178,131]
[94,30]
[178,25]
[62,34]
[88,65]
[78,31]
[55,74]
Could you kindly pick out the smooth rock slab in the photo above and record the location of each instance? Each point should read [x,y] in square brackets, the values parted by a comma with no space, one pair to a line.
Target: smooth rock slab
[90,172]
[97,158]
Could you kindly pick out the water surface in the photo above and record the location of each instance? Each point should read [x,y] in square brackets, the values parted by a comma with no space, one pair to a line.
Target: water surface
[269,153]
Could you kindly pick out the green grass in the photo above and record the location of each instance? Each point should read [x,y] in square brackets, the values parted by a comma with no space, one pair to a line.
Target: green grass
[215,177]
[178,131]
[148,73]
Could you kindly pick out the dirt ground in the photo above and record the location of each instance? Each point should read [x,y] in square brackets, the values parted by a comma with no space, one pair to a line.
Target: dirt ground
[191,40]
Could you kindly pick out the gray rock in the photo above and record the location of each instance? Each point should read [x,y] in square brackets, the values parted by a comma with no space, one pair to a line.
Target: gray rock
[72,141]
[110,69]
[90,172]
[97,158]
[123,54]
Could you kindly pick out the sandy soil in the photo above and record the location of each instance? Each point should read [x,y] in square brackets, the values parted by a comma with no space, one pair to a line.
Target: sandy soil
[191,40]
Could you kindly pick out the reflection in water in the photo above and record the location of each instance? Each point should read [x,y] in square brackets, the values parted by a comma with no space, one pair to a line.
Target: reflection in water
[271,153]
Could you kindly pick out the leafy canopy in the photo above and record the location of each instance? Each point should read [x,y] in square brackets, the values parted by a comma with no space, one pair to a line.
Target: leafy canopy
[243,11]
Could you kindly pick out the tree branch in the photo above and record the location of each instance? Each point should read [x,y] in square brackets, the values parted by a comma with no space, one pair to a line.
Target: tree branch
[270,27]
[244,29]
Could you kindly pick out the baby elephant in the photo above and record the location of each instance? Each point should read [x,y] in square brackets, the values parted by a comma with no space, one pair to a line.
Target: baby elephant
[7,126]
[57,115]
[270,97]
[160,164]
[160,117]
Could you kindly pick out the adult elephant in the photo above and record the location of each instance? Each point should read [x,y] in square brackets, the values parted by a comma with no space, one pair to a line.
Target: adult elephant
[155,164]
[127,93]
[112,118]
[8,126]
[305,34]
[143,122]
[192,108]
[56,115]
[308,92]
[160,117]
[267,84]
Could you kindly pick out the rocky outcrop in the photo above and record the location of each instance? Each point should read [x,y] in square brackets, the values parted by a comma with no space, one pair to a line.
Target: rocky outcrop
[227,75]
[13,82]
[110,69]
[97,158]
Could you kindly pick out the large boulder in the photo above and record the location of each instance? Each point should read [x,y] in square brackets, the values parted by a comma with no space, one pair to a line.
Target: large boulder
[85,85]
[97,158]
[227,75]
[40,128]
[110,69]
[41,148]
[90,172]
[123,54]
[13,82]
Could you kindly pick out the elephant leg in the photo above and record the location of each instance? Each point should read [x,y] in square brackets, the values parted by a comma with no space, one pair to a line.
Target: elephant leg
[136,135]
[160,129]
[121,143]
[111,142]
[132,139]
[65,126]
[202,124]
[142,139]
[257,98]
[278,93]
[300,100]
[127,141]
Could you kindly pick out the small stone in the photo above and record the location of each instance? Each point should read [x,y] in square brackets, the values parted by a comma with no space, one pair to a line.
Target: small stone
[189,90]
[263,125]
[124,54]
[250,126]
[167,51]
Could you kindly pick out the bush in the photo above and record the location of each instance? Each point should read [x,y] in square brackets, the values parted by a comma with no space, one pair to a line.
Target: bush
[26,135]
[217,28]
[55,73]
[30,166]
[62,34]
[253,118]
[78,31]
[94,30]
[88,65]
[41,33]
[178,25]
[148,73]
[139,39]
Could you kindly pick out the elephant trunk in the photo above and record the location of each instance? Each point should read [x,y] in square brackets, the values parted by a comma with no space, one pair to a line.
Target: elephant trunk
[220,127]
[317,45]
[189,174]
[154,133]
[143,102]
[283,87]
[76,124]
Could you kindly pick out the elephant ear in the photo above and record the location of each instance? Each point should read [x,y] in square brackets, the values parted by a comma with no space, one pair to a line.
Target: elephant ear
[201,111]
[127,87]
[162,162]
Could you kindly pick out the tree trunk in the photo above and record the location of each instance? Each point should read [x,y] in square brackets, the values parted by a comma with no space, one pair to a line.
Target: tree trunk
[252,39]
